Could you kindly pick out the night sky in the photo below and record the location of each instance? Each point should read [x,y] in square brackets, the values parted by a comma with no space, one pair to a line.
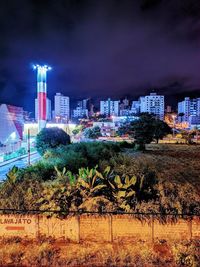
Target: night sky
[99,49]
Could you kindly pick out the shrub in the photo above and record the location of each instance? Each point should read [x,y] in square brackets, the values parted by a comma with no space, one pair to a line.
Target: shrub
[92,133]
[78,155]
[40,171]
[125,144]
[51,138]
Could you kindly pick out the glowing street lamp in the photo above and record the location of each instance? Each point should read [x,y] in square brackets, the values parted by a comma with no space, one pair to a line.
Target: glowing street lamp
[42,94]
[57,119]
[174,118]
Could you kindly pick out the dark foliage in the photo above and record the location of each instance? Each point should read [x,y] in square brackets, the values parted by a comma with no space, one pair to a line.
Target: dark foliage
[92,133]
[145,130]
[51,138]
[78,155]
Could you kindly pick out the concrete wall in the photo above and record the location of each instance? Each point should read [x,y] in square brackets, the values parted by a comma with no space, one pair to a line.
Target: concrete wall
[112,228]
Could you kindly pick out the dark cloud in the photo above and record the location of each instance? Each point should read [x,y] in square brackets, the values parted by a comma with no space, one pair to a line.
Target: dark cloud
[99,48]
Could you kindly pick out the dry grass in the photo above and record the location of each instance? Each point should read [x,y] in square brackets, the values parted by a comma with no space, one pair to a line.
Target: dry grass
[138,253]
[176,163]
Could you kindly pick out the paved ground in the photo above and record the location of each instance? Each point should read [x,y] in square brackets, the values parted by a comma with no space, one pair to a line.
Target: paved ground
[19,163]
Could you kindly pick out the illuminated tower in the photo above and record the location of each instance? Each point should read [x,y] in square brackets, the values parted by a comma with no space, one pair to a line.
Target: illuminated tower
[42,94]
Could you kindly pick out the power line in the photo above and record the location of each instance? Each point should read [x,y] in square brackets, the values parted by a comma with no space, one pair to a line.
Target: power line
[99,212]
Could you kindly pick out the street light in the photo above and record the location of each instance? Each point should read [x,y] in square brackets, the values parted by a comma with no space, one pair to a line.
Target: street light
[57,119]
[174,118]
[29,148]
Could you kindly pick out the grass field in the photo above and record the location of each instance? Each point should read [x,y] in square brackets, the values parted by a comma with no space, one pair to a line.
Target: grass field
[15,252]
[177,163]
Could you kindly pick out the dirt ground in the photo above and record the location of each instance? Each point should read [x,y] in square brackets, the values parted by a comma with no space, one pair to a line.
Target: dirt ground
[49,252]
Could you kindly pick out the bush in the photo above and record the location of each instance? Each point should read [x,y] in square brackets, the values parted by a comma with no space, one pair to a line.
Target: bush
[78,155]
[40,171]
[125,144]
[22,151]
[92,133]
[51,138]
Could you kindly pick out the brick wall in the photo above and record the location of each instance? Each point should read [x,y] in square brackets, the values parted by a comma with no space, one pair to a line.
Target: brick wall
[97,228]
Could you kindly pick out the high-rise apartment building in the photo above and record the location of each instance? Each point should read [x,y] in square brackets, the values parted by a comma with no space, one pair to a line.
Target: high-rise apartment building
[48,110]
[109,107]
[124,108]
[189,107]
[153,104]
[81,110]
[62,108]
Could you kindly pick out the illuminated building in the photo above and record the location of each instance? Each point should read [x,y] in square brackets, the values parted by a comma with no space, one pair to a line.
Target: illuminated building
[81,111]
[124,108]
[109,107]
[12,122]
[42,94]
[153,104]
[194,122]
[62,108]
[189,108]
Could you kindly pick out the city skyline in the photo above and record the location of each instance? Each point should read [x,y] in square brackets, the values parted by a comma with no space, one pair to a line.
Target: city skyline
[51,102]
[113,49]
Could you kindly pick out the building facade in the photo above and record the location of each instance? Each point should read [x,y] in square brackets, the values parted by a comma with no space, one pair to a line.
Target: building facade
[79,112]
[135,107]
[153,104]
[82,109]
[109,107]
[12,123]
[189,108]
[62,107]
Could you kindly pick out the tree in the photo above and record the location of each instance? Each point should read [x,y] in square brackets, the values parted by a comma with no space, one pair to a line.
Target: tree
[161,129]
[148,128]
[188,135]
[143,130]
[125,129]
[92,133]
[51,138]
[78,129]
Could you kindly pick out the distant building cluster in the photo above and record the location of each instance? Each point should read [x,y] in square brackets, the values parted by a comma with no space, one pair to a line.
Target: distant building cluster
[188,110]
[187,115]
[62,112]
[152,103]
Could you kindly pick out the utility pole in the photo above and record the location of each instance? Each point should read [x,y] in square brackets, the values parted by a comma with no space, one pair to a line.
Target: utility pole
[29,148]
[197,134]
[174,118]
